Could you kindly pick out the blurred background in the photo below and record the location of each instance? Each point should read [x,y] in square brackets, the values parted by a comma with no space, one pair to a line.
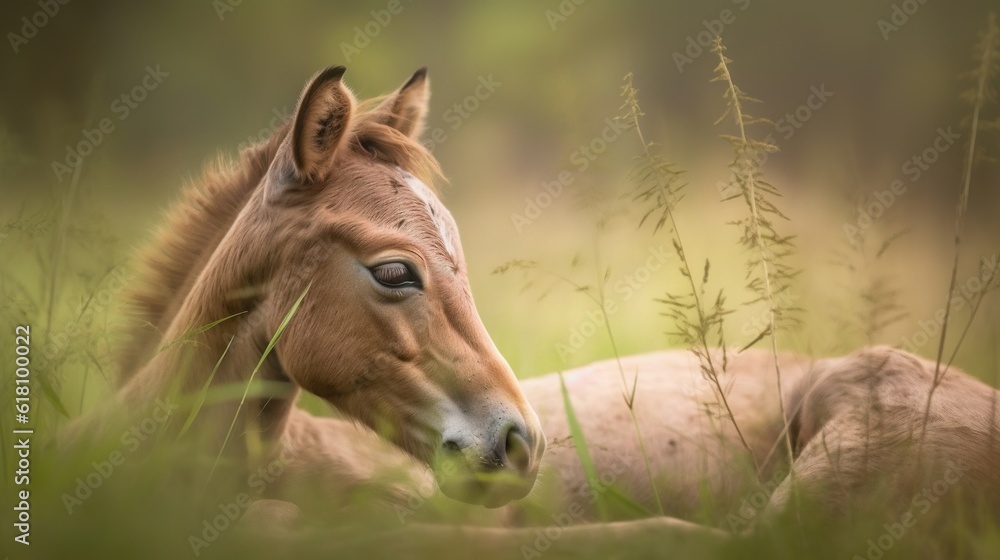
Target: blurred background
[524,95]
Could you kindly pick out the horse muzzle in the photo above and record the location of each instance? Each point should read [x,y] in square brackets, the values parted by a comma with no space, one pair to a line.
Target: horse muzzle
[492,469]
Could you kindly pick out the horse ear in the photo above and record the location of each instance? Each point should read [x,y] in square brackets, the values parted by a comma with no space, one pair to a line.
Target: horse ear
[406,108]
[322,119]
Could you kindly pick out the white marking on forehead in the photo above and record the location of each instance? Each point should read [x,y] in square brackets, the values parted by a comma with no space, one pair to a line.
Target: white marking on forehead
[435,210]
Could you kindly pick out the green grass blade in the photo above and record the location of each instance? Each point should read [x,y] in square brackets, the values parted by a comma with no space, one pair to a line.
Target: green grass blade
[580,444]
[625,507]
[49,392]
[200,400]
[220,393]
[260,362]
[197,330]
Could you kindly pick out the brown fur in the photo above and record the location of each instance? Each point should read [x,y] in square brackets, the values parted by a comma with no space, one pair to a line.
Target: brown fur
[195,225]
[314,210]
[191,232]
[856,422]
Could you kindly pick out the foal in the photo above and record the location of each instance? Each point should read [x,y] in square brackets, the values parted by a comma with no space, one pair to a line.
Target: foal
[322,261]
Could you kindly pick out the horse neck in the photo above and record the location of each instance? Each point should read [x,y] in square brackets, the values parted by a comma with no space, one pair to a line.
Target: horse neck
[190,236]
[230,352]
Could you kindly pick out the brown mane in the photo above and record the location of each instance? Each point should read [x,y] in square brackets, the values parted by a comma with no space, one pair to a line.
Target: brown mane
[196,224]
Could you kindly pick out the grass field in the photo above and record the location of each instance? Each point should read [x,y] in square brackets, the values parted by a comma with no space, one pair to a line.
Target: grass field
[569,198]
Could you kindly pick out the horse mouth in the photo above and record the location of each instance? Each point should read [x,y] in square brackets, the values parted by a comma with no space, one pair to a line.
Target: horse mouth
[490,489]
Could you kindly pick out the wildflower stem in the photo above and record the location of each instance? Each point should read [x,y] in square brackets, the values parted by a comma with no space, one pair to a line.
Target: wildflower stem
[750,194]
[988,56]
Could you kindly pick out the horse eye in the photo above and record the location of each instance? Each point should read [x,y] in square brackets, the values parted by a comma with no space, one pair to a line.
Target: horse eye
[395,275]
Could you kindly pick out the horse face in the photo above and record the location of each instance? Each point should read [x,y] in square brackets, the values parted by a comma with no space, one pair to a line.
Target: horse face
[389,332]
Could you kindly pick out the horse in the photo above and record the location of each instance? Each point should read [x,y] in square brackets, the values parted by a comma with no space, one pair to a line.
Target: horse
[329,228]
[323,261]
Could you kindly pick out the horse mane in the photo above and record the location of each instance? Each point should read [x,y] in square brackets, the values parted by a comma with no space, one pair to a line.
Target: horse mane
[196,224]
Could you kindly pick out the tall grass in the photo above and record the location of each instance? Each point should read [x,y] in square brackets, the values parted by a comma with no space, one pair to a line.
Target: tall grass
[658,187]
[982,92]
[770,274]
[599,297]
[263,356]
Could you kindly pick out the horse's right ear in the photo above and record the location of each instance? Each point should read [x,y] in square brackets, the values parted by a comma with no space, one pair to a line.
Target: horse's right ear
[322,119]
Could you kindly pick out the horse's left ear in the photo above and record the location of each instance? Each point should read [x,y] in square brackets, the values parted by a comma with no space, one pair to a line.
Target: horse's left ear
[406,108]
[322,120]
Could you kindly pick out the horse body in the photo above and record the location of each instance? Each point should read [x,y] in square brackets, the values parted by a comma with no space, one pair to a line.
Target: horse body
[688,444]
[863,429]
[855,426]
[692,447]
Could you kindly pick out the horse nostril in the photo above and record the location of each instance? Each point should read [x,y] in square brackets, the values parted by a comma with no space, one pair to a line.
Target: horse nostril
[517,451]
[451,447]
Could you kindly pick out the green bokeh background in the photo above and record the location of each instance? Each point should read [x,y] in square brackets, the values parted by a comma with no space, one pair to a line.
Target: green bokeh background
[233,67]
